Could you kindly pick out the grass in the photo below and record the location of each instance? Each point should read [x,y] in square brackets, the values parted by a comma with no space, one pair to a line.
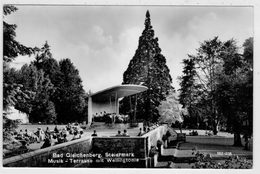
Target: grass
[214,145]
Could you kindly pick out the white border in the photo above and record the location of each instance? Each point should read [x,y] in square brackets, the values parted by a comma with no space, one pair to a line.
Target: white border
[254,3]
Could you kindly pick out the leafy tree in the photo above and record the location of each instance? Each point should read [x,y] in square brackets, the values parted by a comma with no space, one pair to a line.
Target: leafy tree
[44,61]
[171,110]
[222,84]
[190,95]
[208,68]
[248,51]
[187,83]
[70,96]
[59,94]
[235,99]
[39,108]
[12,92]
[248,87]
[12,48]
[147,67]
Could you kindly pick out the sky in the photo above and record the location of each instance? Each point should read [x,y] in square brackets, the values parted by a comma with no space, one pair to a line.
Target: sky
[101,40]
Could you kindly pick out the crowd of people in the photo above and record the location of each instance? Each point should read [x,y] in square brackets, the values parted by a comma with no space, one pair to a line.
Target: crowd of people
[146,129]
[125,134]
[48,137]
[61,135]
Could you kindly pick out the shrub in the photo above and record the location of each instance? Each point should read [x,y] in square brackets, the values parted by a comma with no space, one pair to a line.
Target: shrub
[153,151]
[194,133]
[107,118]
[119,119]
[168,133]
[233,162]
[83,127]
[164,138]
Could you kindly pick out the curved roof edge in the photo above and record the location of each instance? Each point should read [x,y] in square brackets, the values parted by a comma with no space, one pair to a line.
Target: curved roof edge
[119,90]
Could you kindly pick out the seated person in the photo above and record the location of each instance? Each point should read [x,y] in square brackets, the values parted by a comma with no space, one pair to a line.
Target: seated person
[71,132]
[47,132]
[54,136]
[65,138]
[23,148]
[94,133]
[144,128]
[140,132]
[27,133]
[118,133]
[29,137]
[56,130]
[40,134]
[68,127]
[20,135]
[64,131]
[59,139]
[80,133]
[125,133]
[75,136]
[47,142]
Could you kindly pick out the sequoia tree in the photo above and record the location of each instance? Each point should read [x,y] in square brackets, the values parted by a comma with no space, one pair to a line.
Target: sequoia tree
[147,67]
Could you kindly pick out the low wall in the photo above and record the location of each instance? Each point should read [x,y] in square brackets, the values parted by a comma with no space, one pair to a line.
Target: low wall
[120,151]
[126,151]
[66,154]
[93,152]
[115,126]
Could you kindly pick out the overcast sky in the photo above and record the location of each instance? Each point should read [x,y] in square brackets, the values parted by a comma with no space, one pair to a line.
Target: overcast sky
[101,40]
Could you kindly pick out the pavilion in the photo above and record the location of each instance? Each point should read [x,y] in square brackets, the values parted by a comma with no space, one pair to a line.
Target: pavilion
[107,100]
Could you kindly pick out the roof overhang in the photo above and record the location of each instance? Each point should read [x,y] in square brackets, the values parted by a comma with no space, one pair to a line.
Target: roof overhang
[116,92]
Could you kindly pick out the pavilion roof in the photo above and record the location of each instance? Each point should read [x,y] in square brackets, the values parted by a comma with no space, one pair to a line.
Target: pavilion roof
[116,92]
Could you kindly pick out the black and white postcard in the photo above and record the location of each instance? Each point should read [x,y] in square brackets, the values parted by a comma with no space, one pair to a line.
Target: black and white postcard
[158,86]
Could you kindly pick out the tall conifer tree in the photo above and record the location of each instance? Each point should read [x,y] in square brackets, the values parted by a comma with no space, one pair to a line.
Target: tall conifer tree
[147,67]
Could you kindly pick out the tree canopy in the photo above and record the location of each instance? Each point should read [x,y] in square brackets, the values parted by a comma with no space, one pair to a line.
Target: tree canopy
[171,110]
[147,67]
[13,92]
[47,90]
[219,80]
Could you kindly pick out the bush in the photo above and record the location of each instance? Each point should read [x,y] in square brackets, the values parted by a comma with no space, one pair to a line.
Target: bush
[83,127]
[153,151]
[168,133]
[193,133]
[119,119]
[233,162]
[134,124]
[164,138]
[98,119]
[107,118]
[9,127]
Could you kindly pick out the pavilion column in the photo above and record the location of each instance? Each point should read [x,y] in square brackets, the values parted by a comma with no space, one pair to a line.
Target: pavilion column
[116,104]
[90,114]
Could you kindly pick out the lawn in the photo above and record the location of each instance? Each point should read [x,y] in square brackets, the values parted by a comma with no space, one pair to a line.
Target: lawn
[214,145]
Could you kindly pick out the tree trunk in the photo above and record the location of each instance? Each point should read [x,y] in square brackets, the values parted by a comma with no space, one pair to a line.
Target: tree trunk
[215,131]
[237,139]
[215,127]
[180,127]
[246,142]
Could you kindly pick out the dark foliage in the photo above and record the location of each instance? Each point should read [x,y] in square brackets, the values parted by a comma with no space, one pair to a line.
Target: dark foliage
[147,67]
